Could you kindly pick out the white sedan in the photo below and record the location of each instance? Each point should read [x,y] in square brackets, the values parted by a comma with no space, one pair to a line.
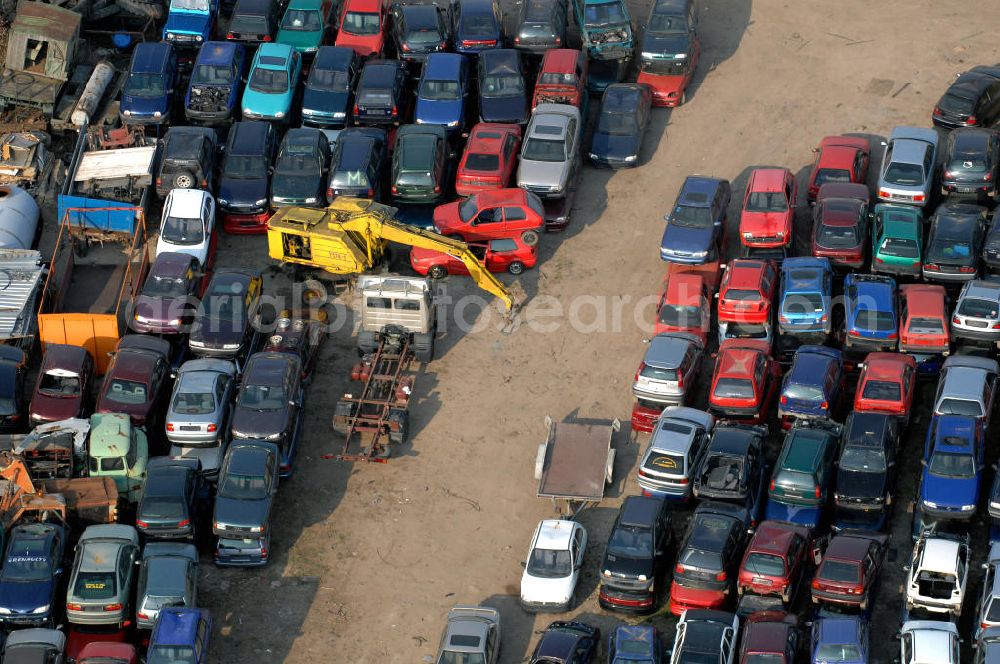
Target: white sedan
[188,225]
[553,566]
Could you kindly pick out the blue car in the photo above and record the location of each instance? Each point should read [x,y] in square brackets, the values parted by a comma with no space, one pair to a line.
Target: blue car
[696,222]
[328,95]
[149,84]
[621,125]
[952,474]
[503,96]
[189,22]
[840,641]
[872,313]
[30,576]
[815,385]
[273,78]
[478,25]
[245,177]
[442,91]
[180,635]
[216,80]
[806,296]
[635,644]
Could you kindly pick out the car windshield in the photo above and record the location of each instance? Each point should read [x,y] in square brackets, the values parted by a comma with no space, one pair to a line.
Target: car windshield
[767,201]
[956,104]
[657,373]
[862,460]
[967,163]
[478,26]
[701,559]
[263,397]
[550,563]
[680,316]
[94,585]
[440,90]
[502,86]
[838,237]
[904,175]
[171,655]
[161,508]
[605,13]
[877,321]
[27,560]
[180,230]
[59,384]
[302,20]
[899,247]
[243,487]
[978,308]
[269,81]
[222,307]
[631,542]
[689,655]
[692,217]
[144,85]
[468,209]
[960,407]
[361,23]
[952,464]
[193,403]
[127,392]
[375,97]
[739,295]
[993,612]
[762,658]
[765,564]
[156,286]
[245,166]
[837,652]
[540,149]
[481,161]
[945,249]
[839,571]
[212,75]
[803,303]
[667,24]
[453,657]
[826,175]
[803,392]
[617,124]
[423,34]
[733,388]
[557,78]
[328,80]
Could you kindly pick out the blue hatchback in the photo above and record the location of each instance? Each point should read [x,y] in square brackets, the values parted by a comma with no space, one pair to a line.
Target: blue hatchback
[478,25]
[806,296]
[443,89]
[696,223]
[189,22]
[952,475]
[31,573]
[149,84]
[635,644]
[872,314]
[841,640]
[216,83]
[180,635]
[814,386]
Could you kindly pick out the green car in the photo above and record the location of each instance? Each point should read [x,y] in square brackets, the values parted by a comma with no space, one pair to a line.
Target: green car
[304,25]
[419,164]
[897,238]
[119,450]
[803,476]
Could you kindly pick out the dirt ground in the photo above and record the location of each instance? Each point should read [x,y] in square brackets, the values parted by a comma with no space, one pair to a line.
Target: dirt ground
[367,559]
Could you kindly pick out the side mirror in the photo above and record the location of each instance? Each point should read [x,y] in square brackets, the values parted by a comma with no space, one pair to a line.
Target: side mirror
[985,566]
[59,570]
[815,150]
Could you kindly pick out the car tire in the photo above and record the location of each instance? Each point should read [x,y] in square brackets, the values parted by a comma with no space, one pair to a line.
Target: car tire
[515,268]
[530,238]
[437,272]
[184,180]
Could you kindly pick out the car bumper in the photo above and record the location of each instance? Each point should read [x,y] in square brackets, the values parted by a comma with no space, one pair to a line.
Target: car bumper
[665,491]
[626,601]
[324,121]
[819,596]
[144,120]
[898,270]
[240,561]
[968,188]
[644,418]
[607,162]
[949,123]
[951,277]
[978,334]
[26,620]
[904,199]
[167,533]
[208,117]
[667,399]
[153,328]
[545,607]
[793,328]
[682,599]
[96,617]
[933,607]
[754,415]
[945,513]
[237,223]
[686,260]
[864,345]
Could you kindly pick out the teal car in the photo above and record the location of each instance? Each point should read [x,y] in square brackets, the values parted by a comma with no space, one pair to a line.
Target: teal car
[271,85]
[897,238]
[303,25]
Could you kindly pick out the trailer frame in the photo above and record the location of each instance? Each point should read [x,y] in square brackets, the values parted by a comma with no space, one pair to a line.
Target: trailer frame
[575,463]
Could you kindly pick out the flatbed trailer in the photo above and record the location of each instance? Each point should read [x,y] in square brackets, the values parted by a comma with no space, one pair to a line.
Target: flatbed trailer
[575,463]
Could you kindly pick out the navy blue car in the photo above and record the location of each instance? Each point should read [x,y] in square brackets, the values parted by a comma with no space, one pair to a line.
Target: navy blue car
[625,112]
[216,78]
[635,644]
[149,84]
[246,171]
[180,635]
[478,25]
[503,95]
[442,91]
[952,476]
[326,101]
[815,385]
[30,575]
[696,222]
[872,314]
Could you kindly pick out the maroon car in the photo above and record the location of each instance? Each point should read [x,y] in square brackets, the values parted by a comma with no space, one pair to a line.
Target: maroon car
[108,652]
[300,332]
[849,569]
[137,383]
[63,386]
[169,298]
[840,224]
[771,636]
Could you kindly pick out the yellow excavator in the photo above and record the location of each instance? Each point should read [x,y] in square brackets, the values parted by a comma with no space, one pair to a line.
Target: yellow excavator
[351,237]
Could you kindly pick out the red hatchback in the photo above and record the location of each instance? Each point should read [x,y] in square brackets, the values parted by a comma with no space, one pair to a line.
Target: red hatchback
[489,158]
[768,215]
[839,159]
[490,215]
[668,79]
[770,637]
[562,78]
[362,27]
[840,225]
[886,385]
[923,318]
[684,306]
[108,652]
[747,291]
[63,387]
[745,381]
[503,255]
[849,569]
[776,560]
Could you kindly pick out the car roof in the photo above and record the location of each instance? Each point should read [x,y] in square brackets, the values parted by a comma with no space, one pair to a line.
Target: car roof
[621,97]
[765,636]
[886,366]
[907,151]
[767,179]
[970,84]
[252,7]
[667,350]
[148,57]
[838,630]
[914,134]
[867,429]
[685,289]
[170,263]
[671,7]
[557,644]
[932,646]
[809,359]
[109,434]
[639,511]
[380,73]
[166,575]
[710,529]
[247,459]
[217,53]
[667,438]
[775,537]
[698,191]
[418,14]
[548,125]
[745,273]
[269,368]
[333,57]
[227,277]
[176,626]
[554,534]
[489,137]
[954,426]
[736,362]
[853,142]
[962,381]
[100,555]
[494,197]
[560,61]
[363,5]
[63,356]
[273,50]
[987,290]
[188,199]
[801,451]
[732,440]
[644,634]
[940,555]
[247,137]
[443,65]
[500,61]
[853,191]
[848,547]
[970,139]
[923,300]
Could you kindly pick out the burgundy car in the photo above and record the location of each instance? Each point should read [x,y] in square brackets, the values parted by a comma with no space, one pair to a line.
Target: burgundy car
[63,386]
[169,298]
[771,636]
[137,383]
[840,224]
[108,652]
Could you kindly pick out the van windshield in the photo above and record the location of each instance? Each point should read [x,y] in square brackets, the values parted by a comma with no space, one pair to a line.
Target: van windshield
[212,75]
[144,85]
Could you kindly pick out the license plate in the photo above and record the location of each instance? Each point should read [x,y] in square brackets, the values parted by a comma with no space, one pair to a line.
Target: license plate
[965,190]
[762,582]
[190,427]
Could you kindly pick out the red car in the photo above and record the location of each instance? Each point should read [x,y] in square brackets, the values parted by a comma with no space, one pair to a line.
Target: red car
[502,255]
[63,387]
[768,214]
[137,382]
[745,381]
[839,159]
[644,415]
[489,158]
[108,652]
[80,637]
[668,79]
[362,27]
[776,560]
[886,385]
[923,319]
[491,215]
[840,224]
[684,306]
[562,78]
[849,569]
[747,291]
[772,637]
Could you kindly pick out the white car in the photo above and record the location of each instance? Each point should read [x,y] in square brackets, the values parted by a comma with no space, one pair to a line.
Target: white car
[929,642]
[989,601]
[938,574]
[188,225]
[553,566]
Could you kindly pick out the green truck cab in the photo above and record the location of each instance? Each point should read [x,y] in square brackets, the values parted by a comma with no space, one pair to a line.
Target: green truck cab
[118,450]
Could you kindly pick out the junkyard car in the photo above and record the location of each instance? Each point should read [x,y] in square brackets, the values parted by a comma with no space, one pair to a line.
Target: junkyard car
[472,633]
[635,558]
[776,560]
[865,471]
[216,81]
[955,242]
[989,599]
[362,27]
[550,153]
[923,325]
[684,306]
[304,25]
[169,298]
[670,50]
[442,92]
[562,79]
[938,574]
[168,576]
[478,26]
[897,240]
[694,229]
[806,297]
[839,159]
[359,163]
[269,403]
[190,22]
[489,158]
[502,255]
[503,95]
[815,385]
[907,172]
[850,567]
[32,574]
[300,169]
[872,322]
[668,370]
[188,226]
[951,480]
[490,215]
[977,312]
[748,289]
[845,640]
[329,89]
[552,569]
[118,449]
[149,85]
[248,483]
[745,381]
[967,386]
[35,645]
[621,125]
[64,384]
[970,162]
[802,482]
[271,83]
[173,497]
[541,26]
[420,164]
[972,100]
[253,21]
[419,29]
[840,225]
[225,324]
[767,218]
[771,636]
[675,452]
[381,96]
[733,469]
[708,634]
[100,585]
[929,641]
[188,160]
[180,633]
[246,176]
[635,643]
[137,381]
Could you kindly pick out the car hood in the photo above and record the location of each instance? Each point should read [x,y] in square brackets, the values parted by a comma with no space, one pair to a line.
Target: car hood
[144,105]
[242,191]
[513,110]
[665,45]
[242,513]
[294,185]
[25,597]
[266,102]
[545,173]
[249,423]
[865,486]
[763,223]
[214,337]
[538,589]
[324,102]
[627,566]
[949,492]
[434,111]
[614,146]
[54,409]
[299,39]
[187,22]
[159,309]
[687,239]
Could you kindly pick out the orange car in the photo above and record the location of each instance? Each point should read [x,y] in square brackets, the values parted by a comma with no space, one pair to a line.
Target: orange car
[886,385]
[768,214]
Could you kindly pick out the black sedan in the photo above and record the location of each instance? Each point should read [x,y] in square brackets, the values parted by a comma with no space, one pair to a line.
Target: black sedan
[625,111]
[225,325]
[328,90]
[954,242]
[567,642]
[418,30]
[300,170]
[865,471]
[970,162]
[173,500]
[503,94]
[382,95]
[972,100]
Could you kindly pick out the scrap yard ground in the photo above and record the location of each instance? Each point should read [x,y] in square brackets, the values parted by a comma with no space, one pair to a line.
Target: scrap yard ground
[367,559]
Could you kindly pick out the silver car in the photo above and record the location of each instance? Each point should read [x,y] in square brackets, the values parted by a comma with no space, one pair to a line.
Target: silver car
[197,420]
[168,577]
[100,585]
[669,368]
[977,313]
[679,441]
[35,645]
[967,386]
[989,600]
[907,172]
[550,154]
[471,635]
[929,641]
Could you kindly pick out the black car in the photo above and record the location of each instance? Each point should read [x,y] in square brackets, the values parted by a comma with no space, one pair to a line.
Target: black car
[254,21]
[420,164]
[954,242]
[329,88]
[358,163]
[705,636]
[248,483]
[382,96]
[991,248]
[710,555]
[733,468]
[246,170]
[541,25]
[300,170]
[13,407]
[173,498]
[188,160]
[669,39]
[225,325]
[31,575]
[625,111]
[418,30]
[972,100]
[635,559]
[503,93]
[865,471]
[970,162]
[567,642]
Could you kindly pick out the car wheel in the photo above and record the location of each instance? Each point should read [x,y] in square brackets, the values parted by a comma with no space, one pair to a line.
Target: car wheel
[517,267]
[184,180]
[438,272]
[530,238]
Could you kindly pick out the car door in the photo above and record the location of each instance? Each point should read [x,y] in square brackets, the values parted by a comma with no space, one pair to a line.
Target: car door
[500,253]
[487,217]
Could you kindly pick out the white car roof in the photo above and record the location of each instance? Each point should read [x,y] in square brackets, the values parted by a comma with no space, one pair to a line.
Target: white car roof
[932,641]
[187,201]
[940,556]
[554,534]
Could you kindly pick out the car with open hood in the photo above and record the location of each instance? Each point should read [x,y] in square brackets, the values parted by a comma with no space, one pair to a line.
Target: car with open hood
[216,82]
[938,574]
[734,469]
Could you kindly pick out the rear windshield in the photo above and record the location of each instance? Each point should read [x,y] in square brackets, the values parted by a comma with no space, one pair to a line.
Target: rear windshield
[839,571]
[838,237]
[805,392]
[194,403]
[710,560]
[248,24]
[804,303]
[764,564]
[881,390]
[171,655]
[954,104]
[899,247]
[478,161]
[837,652]
[945,249]
[973,306]
[877,321]
[540,149]
[906,175]
[94,585]
[741,295]
[664,462]
[734,388]
[680,316]
[960,407]
[654,373]
[967,163]
[826,175]
[478,26]
[378,97]
[925,326]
